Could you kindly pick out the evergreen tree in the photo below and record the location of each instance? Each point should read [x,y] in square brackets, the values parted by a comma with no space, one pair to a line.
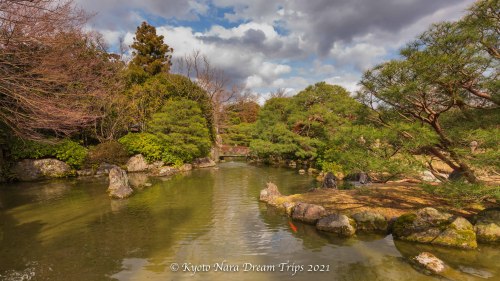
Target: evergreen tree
[151,53]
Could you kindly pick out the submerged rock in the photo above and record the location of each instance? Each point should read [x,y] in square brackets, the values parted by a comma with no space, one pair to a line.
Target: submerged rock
[339,224]
[428,225]
[38,169]
[370,222]
[429,262]
[270,193]
[137,163]
[165,171]
[308,213]
[289,206]
[487,225]
[302,171]
[330,181]
[203,162]
[119,186]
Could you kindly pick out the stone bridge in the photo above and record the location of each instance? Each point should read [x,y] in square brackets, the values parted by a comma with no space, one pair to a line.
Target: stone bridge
[233,151]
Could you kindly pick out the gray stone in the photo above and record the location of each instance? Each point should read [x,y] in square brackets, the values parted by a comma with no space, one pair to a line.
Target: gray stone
[429,262]
[487,225]
[186,167]
[166,171]
[308,213]
[119,186]
[330,181]
[85,173]
[270,193]
[339,224]
[137,163]
[31,170]
[428,225]
[104,169]
[370,222]
[203,163]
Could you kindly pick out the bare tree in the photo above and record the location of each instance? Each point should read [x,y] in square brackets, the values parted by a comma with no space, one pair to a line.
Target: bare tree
[51,72]
[279,93]
[214,81]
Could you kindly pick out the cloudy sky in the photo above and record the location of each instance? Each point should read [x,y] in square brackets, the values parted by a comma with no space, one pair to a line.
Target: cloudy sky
[270,44]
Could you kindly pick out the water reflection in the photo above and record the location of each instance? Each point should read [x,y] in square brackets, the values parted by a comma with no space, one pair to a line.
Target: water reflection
[71,229]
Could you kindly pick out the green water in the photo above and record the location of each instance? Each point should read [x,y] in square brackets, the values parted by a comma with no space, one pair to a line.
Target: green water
[71,230]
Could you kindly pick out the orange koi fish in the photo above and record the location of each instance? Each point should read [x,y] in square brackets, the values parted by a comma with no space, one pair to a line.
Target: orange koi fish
[292,226]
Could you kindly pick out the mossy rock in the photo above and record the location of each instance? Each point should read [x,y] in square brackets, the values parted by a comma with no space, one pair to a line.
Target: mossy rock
[487,225]
[370,222]
[428,225]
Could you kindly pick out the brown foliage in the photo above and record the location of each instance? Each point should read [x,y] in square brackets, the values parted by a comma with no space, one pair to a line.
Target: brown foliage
[51,72]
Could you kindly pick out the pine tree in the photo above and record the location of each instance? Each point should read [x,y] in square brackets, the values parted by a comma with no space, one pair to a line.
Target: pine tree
[151,53]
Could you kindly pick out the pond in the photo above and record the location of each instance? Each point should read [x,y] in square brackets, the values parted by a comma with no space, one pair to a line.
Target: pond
[207,224]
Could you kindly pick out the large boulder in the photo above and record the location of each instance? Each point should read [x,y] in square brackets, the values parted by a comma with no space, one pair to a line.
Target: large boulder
[308,213]
[31,170]
[370,222]
[137,163]
[119,186]
[487,225]
[203,162]
[428,225]
[329,181]
[339,224]
[270,193]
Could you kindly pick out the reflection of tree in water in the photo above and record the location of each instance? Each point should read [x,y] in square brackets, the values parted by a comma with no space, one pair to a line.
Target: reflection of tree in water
[82,238]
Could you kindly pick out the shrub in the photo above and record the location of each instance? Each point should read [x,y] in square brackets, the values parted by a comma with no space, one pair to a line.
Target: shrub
[111,152]
[66,150]
[146,144]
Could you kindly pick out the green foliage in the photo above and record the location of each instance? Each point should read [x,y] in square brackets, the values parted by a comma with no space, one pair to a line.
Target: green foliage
[462,193]
[66,150]
[111,152]
[446,80]
[150,52]
[182,129]
[240,134]
[146,144]
[299,127]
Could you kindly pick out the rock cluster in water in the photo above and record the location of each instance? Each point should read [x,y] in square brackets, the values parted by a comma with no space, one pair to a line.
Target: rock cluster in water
[426,225]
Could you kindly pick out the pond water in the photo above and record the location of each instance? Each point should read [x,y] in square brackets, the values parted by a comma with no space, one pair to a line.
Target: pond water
[208,220]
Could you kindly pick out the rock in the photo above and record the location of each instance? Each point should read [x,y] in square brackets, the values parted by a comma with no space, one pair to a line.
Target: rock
[370,222]
[31,170]
[329,181]
[203,162]
[292,164]
[427,176]
[119,186]
[339,224]
[312,171]
[487,225]
[137,163]
[166,171]
[429,262]
[308,213]
[85,173]
[289,206]
[270,193]
[104,169]
[428,225]
[362,178]
[186,167]
[155,165]
[302,171]
[473,146]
